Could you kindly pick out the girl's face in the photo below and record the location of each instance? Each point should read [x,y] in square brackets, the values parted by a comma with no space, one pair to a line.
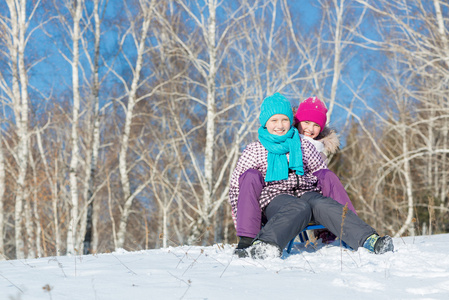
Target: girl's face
[278,124]
[309,128]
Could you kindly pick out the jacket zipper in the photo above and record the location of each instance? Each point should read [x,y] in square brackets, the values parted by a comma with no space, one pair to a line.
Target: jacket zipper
[297,185]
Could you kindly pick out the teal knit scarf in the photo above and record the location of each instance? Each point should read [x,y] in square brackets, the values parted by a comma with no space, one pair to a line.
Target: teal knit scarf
[278,147]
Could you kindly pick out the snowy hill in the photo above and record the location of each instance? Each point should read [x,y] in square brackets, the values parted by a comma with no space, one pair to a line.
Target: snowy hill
[418,269]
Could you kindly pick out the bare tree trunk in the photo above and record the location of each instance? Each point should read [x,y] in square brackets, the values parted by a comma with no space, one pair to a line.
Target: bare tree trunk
[33,241]
[37,227]
[123,164]
[200,226]
[337,54]
[29,228]
[164,227]
[111,215]
[210,124]
[53,186]
[91,237]
[271,48]
[442,30]
[444,192]
[55,206]
[408,224]
[20,104]
[74,217]
[2,193]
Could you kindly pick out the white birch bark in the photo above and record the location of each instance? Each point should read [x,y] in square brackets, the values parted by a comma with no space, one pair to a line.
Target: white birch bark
[53,185]
[111,215]
[209,73]
[423,57]
[167,192]
[165,201]
[91,237]
[408,223]
[339,9]
[33,240]
[19,93]
[73,218]
[444,193]
[96,133]
[210,124]
[28,223]
[123,164]
[271,48]
[2,193]
[442,30]
[37,227]
[326,57]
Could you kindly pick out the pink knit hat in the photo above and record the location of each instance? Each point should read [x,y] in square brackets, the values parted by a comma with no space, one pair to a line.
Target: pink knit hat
[312,109]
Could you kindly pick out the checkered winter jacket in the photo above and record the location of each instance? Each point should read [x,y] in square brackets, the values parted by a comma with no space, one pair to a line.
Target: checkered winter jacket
[255,157]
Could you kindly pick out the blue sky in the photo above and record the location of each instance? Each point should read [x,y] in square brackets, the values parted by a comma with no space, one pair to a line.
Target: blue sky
[54,72]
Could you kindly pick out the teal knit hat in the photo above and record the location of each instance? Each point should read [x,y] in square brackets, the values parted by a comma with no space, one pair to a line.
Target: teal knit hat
[275,104]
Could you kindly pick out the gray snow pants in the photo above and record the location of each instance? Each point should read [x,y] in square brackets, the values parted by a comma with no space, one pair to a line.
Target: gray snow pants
[288,215]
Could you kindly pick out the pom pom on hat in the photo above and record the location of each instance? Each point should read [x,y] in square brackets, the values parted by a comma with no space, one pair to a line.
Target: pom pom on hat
[273,105]
[312,109]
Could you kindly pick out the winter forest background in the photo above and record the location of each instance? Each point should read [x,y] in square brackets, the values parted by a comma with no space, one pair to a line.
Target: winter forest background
[122,120]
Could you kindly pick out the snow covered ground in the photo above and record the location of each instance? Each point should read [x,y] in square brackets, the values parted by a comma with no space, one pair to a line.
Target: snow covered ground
[418,269]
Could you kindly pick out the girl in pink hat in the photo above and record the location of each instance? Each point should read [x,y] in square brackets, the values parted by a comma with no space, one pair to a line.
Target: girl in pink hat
[310,120]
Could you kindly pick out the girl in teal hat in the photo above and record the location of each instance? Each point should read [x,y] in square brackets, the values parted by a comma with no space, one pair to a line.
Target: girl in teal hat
[289,196]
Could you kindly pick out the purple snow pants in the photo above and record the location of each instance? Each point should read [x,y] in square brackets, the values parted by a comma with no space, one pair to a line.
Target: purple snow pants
[249,214]
[251,183]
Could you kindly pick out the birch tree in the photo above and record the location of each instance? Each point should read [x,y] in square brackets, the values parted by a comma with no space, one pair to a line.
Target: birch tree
[207,69]
[15,30]
[250,62]
[72,238]
[53,187]
[91,236]
[2,193]
[140,37]
[208,29]
[327,48]
[410,36]
[442,34]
